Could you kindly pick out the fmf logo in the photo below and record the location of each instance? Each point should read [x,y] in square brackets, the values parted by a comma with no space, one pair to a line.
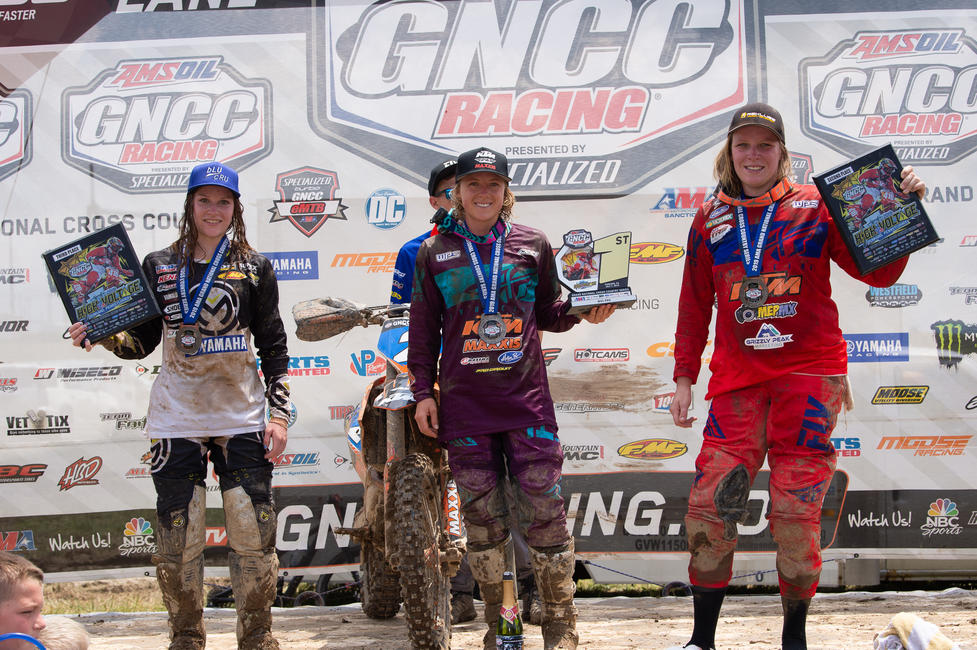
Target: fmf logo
[141,126]
[16,111]
[954,340]
[17,540]
[308,197]
[655,253]
[909,87]
[681,201]
[653,449]
[559,70]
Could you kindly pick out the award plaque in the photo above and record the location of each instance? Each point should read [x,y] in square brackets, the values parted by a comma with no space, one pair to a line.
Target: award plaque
[595,271]
[878,222]
[101,283]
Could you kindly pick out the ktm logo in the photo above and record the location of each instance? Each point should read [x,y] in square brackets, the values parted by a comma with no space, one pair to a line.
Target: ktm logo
[778,284]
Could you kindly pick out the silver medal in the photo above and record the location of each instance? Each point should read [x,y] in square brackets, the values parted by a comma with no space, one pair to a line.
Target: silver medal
[753,292]
[188,339]
[491,328]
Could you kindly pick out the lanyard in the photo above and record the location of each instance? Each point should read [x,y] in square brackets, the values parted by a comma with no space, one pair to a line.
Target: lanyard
[490,294]
[752,259]
[191,312]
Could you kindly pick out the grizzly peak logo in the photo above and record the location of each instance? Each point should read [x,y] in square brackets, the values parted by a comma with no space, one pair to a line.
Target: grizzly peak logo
[16,111]
[572,98]
[144,124]
[909,87]
[308,196]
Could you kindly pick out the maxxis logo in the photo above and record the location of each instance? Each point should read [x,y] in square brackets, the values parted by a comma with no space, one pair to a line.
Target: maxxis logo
[578,95]
[16,114]
[913,88]
[144,124]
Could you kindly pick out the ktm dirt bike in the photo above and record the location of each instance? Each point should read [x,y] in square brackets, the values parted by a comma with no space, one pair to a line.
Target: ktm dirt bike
[411,535]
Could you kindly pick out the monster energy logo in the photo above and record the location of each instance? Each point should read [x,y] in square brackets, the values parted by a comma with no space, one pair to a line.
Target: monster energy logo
[954,340]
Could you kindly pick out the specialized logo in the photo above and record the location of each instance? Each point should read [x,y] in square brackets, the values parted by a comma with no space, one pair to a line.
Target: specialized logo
[16,115]
[954,340]
[680,202]
[942,518]
[913,88]
[900,394]
[601,354]
[898,295]
[655,253]
[17,540]
[21,473]
[863,348]
[386,209]
[927,445]
[571,96]
[144,124]
[137,538]
[308,196]
[37,423]
[769,338]
[80,472]
[653,449]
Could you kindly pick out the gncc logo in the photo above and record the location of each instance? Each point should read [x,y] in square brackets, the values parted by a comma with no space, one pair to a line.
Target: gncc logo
[142,125]
[598,85]
[16,111]
[307,197]
[913,88]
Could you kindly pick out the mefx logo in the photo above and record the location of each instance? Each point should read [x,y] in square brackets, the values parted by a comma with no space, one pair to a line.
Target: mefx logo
[568,91]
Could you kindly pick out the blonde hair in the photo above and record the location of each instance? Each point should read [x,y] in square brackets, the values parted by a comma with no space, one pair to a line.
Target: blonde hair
[187,240]
[508,202]
[15,569]
[63,634]
[725,173]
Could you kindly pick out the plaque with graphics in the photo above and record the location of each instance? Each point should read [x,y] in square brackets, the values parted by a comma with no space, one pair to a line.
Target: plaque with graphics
[595,271]
[878,222]
[101,283]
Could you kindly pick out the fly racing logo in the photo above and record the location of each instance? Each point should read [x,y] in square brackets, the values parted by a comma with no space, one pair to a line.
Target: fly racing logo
[600,86]
[450,255]
[769,338]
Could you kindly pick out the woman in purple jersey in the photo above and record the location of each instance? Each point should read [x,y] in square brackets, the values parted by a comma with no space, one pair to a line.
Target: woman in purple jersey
[483,289]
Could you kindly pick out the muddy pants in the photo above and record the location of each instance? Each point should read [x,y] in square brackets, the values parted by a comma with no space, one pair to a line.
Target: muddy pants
[789,420]
[179,466]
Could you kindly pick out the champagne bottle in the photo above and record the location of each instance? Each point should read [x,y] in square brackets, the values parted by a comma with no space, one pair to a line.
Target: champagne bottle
[508,631]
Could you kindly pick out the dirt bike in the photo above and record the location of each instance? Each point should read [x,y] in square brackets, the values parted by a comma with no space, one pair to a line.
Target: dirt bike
[411,535]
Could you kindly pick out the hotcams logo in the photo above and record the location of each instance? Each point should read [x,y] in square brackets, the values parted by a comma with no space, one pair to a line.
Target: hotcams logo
[143,125]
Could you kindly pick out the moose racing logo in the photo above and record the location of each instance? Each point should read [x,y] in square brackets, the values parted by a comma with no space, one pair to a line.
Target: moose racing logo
[15,116]
[578,95]
[143,125]
[913,88]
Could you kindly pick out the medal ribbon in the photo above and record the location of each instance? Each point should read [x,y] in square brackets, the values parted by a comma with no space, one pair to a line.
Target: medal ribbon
[191,312]
[490,294]
[752,259]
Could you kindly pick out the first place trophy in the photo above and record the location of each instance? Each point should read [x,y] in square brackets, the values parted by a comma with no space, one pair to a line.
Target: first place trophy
[595,271]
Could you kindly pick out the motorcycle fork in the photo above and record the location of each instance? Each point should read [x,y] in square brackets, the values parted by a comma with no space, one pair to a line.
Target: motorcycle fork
[396,450]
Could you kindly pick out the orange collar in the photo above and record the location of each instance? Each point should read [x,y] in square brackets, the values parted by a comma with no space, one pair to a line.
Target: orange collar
[775,193]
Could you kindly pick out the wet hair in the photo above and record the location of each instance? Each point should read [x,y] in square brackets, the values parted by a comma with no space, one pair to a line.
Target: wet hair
[508,202]
[188,232]
[725,173]
[15,569]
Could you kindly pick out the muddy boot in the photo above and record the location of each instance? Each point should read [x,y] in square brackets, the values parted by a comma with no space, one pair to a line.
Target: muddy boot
[487,568]
[462,608]
[794,635]
[253,580]
[181,582]
[553,568]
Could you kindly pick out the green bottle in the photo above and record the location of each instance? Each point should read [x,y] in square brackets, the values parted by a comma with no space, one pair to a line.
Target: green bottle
[508,631]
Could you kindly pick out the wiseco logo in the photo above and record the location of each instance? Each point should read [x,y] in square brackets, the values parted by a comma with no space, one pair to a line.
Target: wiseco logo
[653,449]
[655,252]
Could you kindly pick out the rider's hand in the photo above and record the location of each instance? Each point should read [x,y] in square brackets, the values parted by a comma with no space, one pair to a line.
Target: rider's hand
[598,314]
[426,415]
[275,439]
[681,403]
[78,336]
[911,182]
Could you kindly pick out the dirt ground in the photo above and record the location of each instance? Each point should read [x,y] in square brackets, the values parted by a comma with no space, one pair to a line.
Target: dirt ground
[848,621]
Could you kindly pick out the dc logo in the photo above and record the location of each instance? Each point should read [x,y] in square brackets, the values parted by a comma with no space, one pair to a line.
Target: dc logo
[386,209]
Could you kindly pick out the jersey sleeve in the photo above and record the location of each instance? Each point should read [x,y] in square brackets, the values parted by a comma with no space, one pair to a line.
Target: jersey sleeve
[424,340]
[138,342]
[271,340]
[695,305]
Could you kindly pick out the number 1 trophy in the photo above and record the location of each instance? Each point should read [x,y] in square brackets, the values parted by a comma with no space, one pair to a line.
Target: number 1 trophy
[595,271]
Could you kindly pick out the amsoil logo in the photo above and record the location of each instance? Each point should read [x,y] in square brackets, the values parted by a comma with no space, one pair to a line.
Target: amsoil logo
[954,340]
[16,114]
[653,449]
[308,196]
[601,354]
[912,88]
[571,96]
[80,472]
[655,253]
[142,125]
[900,394]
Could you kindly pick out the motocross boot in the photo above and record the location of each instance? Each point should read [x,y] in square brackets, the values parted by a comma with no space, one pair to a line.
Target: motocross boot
[487,568]
[553,567]
[179,564]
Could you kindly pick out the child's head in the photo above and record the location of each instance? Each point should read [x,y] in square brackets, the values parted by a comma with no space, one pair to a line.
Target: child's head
[21,597]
